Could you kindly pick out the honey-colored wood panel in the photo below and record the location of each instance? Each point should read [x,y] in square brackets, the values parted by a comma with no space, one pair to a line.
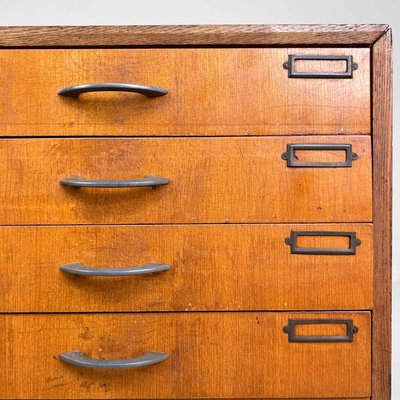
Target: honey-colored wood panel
[213,267]
[212,180]
[211,92]
[217,355]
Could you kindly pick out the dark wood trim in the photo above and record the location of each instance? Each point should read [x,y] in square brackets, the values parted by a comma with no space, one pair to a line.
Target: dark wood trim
[190,35]
[382,215]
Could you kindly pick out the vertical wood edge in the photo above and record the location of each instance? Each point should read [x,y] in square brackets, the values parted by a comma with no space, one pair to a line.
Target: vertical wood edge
[382,215]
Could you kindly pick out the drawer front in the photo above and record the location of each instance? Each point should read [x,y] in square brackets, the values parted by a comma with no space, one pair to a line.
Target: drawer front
[210,92]
[212,355]
[212,267]
[211,180]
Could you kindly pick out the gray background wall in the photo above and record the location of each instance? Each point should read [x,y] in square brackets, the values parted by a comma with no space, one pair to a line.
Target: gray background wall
[120,12]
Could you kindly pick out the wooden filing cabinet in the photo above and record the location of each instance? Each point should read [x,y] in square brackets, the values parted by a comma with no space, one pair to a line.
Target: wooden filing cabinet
[198,212]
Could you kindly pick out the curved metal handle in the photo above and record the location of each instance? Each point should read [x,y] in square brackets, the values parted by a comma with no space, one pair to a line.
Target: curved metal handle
[148,91]
[151,181]
[149,268]
[79,359]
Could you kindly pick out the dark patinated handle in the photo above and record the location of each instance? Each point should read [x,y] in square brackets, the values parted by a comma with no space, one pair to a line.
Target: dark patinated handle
[151,181]
[149,268]
[148,91]
[79,359]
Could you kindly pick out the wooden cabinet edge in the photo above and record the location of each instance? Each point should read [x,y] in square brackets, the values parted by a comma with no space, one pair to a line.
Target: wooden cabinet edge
[382,215]
[191,35]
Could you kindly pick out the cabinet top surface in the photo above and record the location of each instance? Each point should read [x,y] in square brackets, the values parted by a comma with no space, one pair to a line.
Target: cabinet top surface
[190,35]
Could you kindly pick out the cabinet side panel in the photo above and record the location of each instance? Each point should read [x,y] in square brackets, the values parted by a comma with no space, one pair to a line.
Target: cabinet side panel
[382,215]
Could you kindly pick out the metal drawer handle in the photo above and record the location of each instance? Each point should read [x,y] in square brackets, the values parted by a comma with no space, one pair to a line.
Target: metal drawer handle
[291,159]
[151,181]
[149,268]
[292,73]
[76,90]
[79,359]
[295,249]
[290,329]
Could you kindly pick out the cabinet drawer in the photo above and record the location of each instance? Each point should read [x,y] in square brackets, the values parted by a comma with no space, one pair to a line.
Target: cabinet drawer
[210,180]
[210,92]
[212,355]
[212,267]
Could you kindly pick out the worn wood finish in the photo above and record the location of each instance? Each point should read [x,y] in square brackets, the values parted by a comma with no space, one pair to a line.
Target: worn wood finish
[212,180]
[252,261]
[218,349]
[190,35]
[222,355]
[211,92]
[382,209]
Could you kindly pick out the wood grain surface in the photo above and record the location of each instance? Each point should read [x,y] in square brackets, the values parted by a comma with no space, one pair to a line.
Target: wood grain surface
[212,180]
[211,92]
[214,267]
[217,355]
[240,91]
[382,209]
[190,35]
